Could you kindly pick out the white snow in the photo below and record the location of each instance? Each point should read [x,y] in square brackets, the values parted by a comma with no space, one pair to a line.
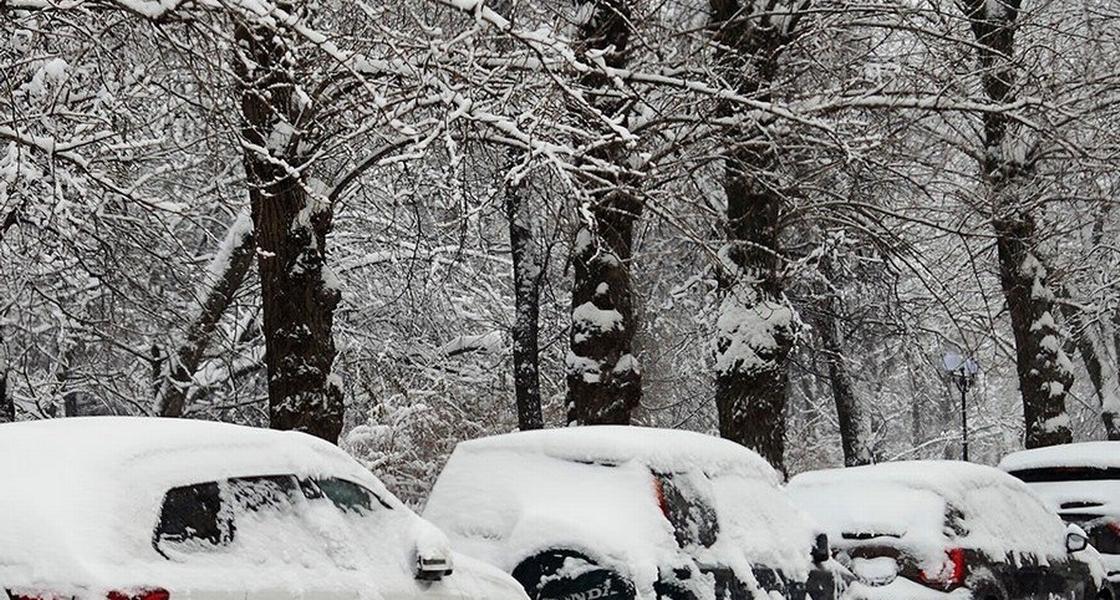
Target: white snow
[1100,455]
[82,499]
[902,588]
[591,318]
[592,489]
[749,331]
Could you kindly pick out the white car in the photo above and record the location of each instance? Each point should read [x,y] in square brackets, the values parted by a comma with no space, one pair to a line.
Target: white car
[626,513]
[1082,483]
[117,508]
[948,530]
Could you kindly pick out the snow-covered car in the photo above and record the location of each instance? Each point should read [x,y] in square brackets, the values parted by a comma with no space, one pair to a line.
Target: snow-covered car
[117,508]
[1082,482]
[946,529]
[609,512]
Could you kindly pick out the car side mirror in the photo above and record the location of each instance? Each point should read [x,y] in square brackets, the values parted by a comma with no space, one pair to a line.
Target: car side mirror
[821,552]
[433,553]
[1076,539]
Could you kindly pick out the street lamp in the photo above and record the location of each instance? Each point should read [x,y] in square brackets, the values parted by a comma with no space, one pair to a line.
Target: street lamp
[962,370]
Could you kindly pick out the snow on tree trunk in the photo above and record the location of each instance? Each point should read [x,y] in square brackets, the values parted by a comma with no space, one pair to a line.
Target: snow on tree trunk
[1045,374]
[604,380]
[757,327]
[290,221]
[225,275]
[527,274]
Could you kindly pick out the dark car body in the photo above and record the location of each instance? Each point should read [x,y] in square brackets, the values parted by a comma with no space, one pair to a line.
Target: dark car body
[627,512]
[931,528]
[1082,483]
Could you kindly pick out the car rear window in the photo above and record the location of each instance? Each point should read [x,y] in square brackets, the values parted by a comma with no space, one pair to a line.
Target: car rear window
[686,500]
[1067,474]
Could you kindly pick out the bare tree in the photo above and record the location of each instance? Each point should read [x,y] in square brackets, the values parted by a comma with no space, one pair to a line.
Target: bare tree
[528,272]
[7,405]
[290,224]
[1006,170]
[227,272]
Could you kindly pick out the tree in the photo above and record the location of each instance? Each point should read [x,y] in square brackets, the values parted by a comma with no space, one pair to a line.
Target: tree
[227,272]
[290,224]
[604,378]
[849,410]
[1007,166]
[528,273]
[7,405]
[757,327]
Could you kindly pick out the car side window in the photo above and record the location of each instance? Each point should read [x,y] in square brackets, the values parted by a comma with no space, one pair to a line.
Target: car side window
[192,515]
[275,494]
[349,496]
[203,517]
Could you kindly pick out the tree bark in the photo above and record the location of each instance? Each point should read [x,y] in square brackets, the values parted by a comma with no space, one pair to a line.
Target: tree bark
[298,291]
[849,411]
[1093,342]
[604,379]
[527,273]
[7,405]
[1044,371]
[757,327]
[226,274]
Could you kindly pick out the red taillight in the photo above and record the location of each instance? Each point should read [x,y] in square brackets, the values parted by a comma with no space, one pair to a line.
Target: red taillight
[950,574]
[144,594]
[659,492]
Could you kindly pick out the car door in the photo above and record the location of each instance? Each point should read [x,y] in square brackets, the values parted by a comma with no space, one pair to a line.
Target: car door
[370,537]
[231,540]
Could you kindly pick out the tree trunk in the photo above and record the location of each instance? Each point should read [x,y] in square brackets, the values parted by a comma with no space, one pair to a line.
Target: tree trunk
[298,291]
[226,273]
[756,327]
[1044,371]
[7,405]
[527,273]
[1092,341]
[849,412]
[604,380]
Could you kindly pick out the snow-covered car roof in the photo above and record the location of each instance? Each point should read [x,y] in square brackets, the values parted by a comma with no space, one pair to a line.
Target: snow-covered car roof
[592,489]
[921,504]
[1064,476]
[80,489]
[664,450]
[1101,455]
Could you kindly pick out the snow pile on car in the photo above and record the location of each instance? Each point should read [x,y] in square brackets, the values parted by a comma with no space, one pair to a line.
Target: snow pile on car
[1100,455]
[924,505]
[592,489]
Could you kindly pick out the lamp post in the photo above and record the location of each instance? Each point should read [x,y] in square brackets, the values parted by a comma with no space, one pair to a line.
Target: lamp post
[962,370]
